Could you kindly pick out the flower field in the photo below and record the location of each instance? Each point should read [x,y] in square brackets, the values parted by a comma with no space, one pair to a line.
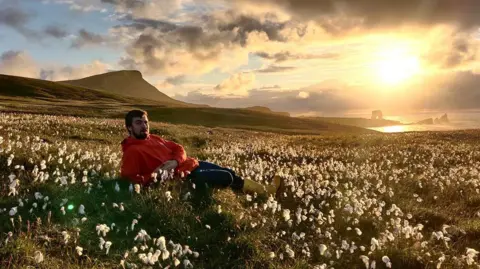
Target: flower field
[408,200]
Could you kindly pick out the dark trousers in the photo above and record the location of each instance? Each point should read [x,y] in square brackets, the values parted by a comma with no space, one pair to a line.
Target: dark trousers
[215,176]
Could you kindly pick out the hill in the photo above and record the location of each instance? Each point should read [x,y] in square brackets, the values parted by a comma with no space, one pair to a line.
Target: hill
[127,83]
[357,122]
[27,95]
[264,109]
[20,87]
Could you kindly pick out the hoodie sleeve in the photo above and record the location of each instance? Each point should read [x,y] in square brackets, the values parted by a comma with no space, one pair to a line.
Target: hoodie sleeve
[178,152]
[130,168]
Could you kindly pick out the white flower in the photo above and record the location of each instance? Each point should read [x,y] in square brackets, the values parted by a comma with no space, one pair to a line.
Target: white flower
[161,243]
[142,236]
[187,264]
[289,251]
[84,219]
[365,260]
[471,254]
[81,210]
[102,228]
[79,250]
[322,249]
[108,244]
[13,211]
[38,256]
[387,262]
[137,188]
[168,195]
[117,187]
[135,221]
[440,261]
[66,237]
[176,262]
[165,254]
[358,231]
[207,226]
[38,195]
[374,244]
[271,255]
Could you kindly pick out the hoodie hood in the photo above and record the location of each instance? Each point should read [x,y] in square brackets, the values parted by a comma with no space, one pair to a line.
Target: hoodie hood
[130,141]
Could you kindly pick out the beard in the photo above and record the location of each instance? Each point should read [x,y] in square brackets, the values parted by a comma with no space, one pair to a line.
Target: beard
[140,135]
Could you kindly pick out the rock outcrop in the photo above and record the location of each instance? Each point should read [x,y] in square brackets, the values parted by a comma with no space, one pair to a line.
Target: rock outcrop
[442,120]
[377,115]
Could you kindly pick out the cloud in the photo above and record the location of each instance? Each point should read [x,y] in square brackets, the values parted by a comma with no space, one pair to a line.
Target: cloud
[458,51]
[346,14]
[18,63]
[289,56]
[325,100]
[237,84]
[86,38]
[215,41]
[58,73]
[170,82]
[458,91]
[16,18]
[137,8]
[275,69]
[55,31]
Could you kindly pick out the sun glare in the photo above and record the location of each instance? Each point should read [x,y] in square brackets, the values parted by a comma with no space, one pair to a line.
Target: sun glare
[396,65]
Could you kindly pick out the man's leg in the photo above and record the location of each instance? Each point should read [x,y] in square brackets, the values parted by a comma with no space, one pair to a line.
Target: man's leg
[217,176]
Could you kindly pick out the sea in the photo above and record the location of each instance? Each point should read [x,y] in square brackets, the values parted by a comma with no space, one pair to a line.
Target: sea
[459,120]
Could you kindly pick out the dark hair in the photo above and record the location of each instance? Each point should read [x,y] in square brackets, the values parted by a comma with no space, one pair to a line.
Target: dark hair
[134,114]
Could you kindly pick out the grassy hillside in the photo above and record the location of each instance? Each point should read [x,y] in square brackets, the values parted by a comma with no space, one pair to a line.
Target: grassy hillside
[126,83]
[240,118]
[12,86]
[358,122]
[266,110]
[350,200]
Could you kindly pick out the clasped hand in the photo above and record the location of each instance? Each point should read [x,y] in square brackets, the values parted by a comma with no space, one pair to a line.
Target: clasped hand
[168,165]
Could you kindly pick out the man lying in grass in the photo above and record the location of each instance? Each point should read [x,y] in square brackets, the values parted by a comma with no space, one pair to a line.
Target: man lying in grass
[146,155]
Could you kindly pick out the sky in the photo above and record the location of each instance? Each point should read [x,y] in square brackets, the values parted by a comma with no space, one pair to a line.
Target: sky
[306,57]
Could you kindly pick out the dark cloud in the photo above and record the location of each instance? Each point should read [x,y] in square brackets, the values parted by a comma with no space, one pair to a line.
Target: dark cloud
[456,51]
[459,92]
[379,13]
[141,24]
[86,38]
[287,56]
[130,4]
[55,31]
[245,25]
[213,38]
[16,18]
[325,100]
[276,69]
[176,80]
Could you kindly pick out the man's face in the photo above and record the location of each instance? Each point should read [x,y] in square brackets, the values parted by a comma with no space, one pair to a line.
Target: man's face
[139,128]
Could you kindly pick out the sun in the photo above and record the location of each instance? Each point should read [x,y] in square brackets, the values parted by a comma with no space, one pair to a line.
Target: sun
[396,65]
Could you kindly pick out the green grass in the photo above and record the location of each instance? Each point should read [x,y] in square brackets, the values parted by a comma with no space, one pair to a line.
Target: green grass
[344,167]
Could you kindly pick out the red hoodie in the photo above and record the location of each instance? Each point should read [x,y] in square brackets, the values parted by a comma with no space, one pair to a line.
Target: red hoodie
[141,157]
